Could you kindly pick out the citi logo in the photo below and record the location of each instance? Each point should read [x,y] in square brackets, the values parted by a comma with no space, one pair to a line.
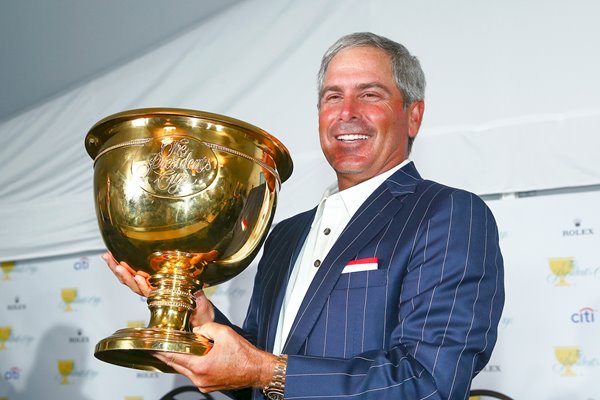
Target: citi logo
[13,373]
[586,315]
[82,264]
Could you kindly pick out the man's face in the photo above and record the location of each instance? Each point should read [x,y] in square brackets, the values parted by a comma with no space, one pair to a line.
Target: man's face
[363,127]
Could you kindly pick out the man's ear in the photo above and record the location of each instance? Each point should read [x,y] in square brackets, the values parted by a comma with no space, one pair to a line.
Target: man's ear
[415,116]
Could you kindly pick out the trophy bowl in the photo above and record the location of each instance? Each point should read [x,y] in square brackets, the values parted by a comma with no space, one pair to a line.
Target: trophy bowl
[187,197]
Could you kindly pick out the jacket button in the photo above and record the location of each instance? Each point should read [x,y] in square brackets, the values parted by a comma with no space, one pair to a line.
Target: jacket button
[327,231]
[317,263]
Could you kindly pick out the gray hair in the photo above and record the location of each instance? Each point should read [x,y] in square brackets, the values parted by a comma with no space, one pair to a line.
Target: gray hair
[408,75]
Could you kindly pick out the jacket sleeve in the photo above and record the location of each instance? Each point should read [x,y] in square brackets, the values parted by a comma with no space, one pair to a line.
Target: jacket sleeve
[450,303]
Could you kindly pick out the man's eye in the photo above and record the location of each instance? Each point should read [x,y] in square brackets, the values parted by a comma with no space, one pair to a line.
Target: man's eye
[333,97]
[371,96]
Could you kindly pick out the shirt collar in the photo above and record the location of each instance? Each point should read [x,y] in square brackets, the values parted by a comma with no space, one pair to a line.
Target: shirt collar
[355,196]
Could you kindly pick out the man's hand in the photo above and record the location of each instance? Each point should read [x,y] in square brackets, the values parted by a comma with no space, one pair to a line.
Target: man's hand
[232,363]
[138,282]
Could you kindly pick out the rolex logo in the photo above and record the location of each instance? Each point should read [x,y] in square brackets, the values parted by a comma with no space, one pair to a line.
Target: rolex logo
[578,229]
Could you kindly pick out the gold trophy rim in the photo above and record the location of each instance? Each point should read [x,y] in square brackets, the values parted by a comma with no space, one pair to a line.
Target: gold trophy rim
[99,134]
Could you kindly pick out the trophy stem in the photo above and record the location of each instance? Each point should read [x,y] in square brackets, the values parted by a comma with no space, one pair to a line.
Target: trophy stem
[172,301]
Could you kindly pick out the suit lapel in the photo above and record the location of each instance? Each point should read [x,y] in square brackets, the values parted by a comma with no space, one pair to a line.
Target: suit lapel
[370,218]
[294,240]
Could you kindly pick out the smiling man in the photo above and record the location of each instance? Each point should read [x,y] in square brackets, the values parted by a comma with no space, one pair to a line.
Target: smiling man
[391,288]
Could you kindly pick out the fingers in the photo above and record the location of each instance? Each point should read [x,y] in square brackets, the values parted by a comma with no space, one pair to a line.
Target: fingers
[136,281]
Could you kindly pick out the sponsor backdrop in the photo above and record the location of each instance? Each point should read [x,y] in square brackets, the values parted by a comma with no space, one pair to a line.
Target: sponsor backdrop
[53,311]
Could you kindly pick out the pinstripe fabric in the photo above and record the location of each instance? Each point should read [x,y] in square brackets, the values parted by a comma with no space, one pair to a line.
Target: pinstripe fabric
[419,327]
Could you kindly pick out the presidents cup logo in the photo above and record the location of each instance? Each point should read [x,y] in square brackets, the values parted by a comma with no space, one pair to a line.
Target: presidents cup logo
[10,268]
[9,338]
[567,356]
[67,371]
[561,267]
[65,368]
[566,270]
[4,336]
[572,361]
[7,266]
[68,295]
[71,297]
[181,166]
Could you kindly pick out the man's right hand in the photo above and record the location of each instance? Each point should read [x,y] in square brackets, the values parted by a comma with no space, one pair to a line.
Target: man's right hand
[138,282]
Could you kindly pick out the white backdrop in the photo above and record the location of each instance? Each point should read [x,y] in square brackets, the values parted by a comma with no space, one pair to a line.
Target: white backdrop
[513,105]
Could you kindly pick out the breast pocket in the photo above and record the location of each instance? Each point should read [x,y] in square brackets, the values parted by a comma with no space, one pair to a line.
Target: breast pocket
[362,279]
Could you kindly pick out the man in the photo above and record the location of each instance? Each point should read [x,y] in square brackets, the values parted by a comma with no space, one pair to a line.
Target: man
[392,288]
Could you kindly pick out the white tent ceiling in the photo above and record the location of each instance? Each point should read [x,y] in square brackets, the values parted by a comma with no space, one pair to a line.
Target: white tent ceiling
[48,47]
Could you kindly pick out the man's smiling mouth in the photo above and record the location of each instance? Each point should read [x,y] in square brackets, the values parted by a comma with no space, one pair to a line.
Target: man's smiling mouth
[351,137]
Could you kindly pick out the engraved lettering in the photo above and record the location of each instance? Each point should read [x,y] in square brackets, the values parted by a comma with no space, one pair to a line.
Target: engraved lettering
[174,166]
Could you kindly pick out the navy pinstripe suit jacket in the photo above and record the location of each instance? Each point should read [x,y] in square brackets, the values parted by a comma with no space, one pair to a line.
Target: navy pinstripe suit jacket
[419,327]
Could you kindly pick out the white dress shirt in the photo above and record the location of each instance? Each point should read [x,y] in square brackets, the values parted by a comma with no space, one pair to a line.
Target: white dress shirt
[333,214]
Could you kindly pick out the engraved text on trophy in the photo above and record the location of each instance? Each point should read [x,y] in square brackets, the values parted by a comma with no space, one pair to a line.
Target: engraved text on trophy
[178,166]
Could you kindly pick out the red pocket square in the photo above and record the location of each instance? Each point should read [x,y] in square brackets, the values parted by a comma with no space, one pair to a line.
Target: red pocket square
[364,264]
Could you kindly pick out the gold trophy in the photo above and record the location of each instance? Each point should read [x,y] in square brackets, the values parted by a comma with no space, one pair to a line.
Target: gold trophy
[4,336]
[7,266]
[567,356]
[68,295]
[561,267]
[188,198]
[65,367]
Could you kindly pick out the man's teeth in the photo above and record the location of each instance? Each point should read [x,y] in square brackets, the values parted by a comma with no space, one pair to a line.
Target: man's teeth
[352,137]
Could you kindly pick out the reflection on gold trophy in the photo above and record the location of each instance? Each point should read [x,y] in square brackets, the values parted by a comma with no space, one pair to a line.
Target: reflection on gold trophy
[68,295]
[65,368]
[7,266]
[186,198]
[561,267]
[136,324]
[4,336]
[567,356]
[133,398]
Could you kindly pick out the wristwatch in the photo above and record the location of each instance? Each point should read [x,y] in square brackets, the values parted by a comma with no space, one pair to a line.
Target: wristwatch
[274,390]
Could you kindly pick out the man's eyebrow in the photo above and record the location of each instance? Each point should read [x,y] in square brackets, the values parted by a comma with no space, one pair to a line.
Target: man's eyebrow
[361,86]
[371,85]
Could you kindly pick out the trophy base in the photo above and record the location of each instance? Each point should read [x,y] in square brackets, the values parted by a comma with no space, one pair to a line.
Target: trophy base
[133,347]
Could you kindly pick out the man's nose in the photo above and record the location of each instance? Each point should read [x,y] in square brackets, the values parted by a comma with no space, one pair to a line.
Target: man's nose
[348,109]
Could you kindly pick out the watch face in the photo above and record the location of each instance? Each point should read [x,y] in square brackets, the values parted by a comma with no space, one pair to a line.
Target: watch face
[274,395]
